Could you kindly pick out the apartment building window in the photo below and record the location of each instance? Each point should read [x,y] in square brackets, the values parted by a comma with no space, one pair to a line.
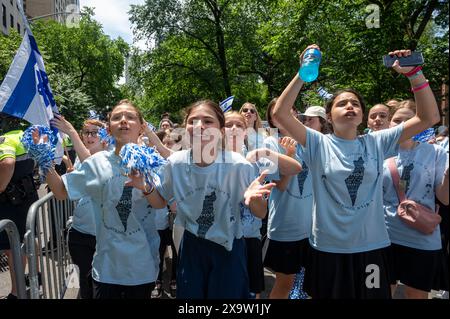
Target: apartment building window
[4,15]
[12,20]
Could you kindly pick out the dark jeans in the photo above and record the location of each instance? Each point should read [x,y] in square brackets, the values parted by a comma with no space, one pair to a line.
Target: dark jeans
[167,240]
[82,249]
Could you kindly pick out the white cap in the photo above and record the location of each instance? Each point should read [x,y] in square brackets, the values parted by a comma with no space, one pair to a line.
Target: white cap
[315,111]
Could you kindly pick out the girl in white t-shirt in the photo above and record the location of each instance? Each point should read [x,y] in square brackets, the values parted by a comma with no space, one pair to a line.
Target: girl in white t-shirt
[208,184]
[417,258]
[349,238]
[125,264]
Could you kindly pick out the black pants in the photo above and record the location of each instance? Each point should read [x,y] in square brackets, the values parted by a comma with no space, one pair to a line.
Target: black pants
[167,240]
[82,249]
[111,291]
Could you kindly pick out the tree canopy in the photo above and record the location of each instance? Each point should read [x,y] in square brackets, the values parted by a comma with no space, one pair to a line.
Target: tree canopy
[217,48]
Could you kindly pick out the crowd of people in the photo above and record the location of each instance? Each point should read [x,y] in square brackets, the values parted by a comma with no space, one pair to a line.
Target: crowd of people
[309,197]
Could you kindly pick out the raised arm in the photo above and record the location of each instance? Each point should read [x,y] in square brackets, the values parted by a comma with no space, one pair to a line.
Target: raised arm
[427,112]
[255,196]
[286,165]
[66,127]
[156,142]
[282,110]
[56,185]
[54,181]
[290,147]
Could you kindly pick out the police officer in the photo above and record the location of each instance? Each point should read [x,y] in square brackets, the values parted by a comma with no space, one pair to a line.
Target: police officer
[17,188]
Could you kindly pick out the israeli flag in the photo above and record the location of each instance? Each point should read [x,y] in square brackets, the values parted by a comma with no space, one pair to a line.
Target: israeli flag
[324,94]
[226,104]
[93,115]
[25,92]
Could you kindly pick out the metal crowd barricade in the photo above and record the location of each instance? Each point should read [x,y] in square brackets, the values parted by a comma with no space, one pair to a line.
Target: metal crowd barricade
[46,221]
[14,242]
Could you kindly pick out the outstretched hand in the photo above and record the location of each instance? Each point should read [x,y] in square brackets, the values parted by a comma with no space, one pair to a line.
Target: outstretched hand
[256,190]
[312,46]
[136,180]
[396,66]
[62,124]
[289,145]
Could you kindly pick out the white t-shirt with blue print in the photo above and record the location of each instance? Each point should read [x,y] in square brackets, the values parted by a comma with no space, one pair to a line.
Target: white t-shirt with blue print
[127,240]
[290,211]
[208,198]
[83,219]
[255,140]
[422,169]
[161,218]
[347,177]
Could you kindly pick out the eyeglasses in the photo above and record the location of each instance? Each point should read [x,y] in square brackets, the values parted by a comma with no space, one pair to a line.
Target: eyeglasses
[245,110]
[91,133]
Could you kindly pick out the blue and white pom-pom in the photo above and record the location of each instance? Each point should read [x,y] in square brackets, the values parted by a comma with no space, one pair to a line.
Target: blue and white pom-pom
[43,152]
[425,136]
[105,137]
[151,127]
[297,291]
[142,159]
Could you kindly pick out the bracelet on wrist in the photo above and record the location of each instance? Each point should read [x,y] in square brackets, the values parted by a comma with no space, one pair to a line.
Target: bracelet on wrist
[148,192]
[415,76]
[420,87]
[413,71]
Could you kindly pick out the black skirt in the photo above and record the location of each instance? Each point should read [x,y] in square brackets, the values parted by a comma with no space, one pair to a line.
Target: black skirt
[286,257]
[362,275]
[420,269]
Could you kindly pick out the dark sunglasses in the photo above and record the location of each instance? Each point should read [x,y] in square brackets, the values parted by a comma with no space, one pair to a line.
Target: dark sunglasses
[91,133]
[245,110]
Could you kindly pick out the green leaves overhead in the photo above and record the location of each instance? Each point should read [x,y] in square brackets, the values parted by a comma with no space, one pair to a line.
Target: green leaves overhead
[250,49]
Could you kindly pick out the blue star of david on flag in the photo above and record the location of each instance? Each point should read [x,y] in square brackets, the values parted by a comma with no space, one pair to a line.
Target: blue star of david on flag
[25,92]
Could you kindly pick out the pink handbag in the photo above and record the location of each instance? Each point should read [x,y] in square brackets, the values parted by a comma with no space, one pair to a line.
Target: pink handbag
[410,212]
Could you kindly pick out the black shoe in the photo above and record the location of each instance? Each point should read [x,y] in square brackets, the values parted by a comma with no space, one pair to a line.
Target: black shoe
[157,292]
[173,289]
[11,296]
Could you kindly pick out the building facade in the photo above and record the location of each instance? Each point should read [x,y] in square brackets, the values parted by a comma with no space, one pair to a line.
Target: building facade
[10,17]
[35,9]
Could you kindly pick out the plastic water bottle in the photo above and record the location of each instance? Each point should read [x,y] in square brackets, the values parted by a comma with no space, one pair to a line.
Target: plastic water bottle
[309,71]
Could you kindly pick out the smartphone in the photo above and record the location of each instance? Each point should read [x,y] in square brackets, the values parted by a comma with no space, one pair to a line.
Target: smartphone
[416,58]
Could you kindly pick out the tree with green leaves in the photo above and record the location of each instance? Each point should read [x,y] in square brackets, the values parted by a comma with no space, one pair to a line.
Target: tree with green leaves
[253,46]
[8,48]
[94,60]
